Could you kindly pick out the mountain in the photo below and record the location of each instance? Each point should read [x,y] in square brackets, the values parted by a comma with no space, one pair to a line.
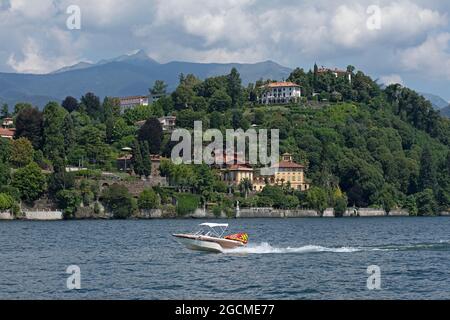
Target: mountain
[78,66]
[446,112]
[437,102]
[122,76]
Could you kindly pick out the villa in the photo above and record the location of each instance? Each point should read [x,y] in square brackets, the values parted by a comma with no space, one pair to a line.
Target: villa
[280,92]
[336,72]
[286,172]
[133,102]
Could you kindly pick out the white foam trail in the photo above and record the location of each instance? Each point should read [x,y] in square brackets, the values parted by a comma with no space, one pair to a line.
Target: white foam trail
[266,248]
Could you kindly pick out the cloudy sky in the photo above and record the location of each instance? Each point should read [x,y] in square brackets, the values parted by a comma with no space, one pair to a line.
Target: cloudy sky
[410,45]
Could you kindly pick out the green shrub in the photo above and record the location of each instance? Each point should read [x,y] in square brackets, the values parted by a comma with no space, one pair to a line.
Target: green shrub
[292,202]
[69,201]
[217,210]
[187,203]
[148,199]
[119,201]
[6,202]
[264,202]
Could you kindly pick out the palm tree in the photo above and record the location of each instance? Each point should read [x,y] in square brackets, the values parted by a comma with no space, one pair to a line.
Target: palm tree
[245,187]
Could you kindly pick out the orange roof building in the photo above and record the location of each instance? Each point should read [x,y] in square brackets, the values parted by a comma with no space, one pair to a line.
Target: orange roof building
[285,172]
[7,133]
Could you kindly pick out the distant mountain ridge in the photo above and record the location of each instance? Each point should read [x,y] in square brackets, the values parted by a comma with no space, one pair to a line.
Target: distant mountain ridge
[122,76]
[437,102]
[446,111]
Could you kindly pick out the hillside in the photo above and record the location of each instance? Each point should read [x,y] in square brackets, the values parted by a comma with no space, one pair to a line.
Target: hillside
[361,146]
[122,76]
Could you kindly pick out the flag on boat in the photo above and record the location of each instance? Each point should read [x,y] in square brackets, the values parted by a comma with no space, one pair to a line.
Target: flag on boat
[241,237]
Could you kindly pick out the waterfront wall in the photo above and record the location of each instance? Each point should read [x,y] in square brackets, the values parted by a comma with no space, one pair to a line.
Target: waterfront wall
[399,213]
[328,213]
[276,213]
[43,215]
[6,215]
[364,212]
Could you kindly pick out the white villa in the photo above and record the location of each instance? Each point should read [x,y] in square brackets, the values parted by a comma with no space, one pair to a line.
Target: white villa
[132,102]
[280,92]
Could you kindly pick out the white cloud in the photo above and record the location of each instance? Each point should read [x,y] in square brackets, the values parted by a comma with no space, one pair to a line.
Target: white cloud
[391,79]
[431,57]
[293,33]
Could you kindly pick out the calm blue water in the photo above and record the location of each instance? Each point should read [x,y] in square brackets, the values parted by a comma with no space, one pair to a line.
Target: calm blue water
[287,259]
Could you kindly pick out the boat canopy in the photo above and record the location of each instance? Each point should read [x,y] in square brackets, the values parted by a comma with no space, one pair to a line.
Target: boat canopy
[215,225]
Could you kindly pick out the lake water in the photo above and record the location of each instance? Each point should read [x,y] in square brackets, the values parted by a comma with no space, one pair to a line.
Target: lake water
[286,259]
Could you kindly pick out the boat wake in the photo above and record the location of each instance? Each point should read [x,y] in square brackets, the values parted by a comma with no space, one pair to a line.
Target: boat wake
[266,248]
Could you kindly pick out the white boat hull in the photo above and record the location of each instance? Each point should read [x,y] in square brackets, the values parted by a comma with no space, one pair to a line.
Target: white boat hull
[205,243]
[200,245]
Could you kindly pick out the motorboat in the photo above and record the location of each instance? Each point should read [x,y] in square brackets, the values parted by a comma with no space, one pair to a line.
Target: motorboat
[210,237]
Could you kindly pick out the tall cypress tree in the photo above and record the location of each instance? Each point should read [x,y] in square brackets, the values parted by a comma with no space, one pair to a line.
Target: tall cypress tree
[137,161]
[427,177]
[146,161]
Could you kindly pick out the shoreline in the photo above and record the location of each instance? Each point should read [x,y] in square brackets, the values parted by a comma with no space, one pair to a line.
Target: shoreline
[244,213]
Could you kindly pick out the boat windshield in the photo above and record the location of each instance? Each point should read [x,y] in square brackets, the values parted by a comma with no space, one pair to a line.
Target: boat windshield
[211,230]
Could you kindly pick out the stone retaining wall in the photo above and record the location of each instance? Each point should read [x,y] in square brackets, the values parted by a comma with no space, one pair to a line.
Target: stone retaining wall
[6,216]
[43,215]
[399,213]
[328,213]
[371,212]
[364,212]
[276,213]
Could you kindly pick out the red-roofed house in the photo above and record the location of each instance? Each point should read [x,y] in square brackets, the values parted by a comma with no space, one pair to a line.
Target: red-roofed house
[286,172]
[280,92]
[7,133]
[336,72]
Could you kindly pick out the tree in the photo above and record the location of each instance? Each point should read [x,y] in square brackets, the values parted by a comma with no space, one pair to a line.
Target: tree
[6,202]
[5,111]
[92,105]
[30,181]
[317,199]
[53,134]
[92,141]
[119,201]
[69,201]
[60,179]
[245,187]
[5,174]
[111,108]
[29,125]
[148,199]
[146,161]
[5,150]
[159,88]
[426,203]
[70,104]
[19,107]
[140,165]
[234,87]
[220,101]
[21,152]
[68,130]
[152,132]
[204,181]
[427,178]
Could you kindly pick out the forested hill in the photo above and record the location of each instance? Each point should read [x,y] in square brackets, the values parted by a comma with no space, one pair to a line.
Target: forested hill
[362,145]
